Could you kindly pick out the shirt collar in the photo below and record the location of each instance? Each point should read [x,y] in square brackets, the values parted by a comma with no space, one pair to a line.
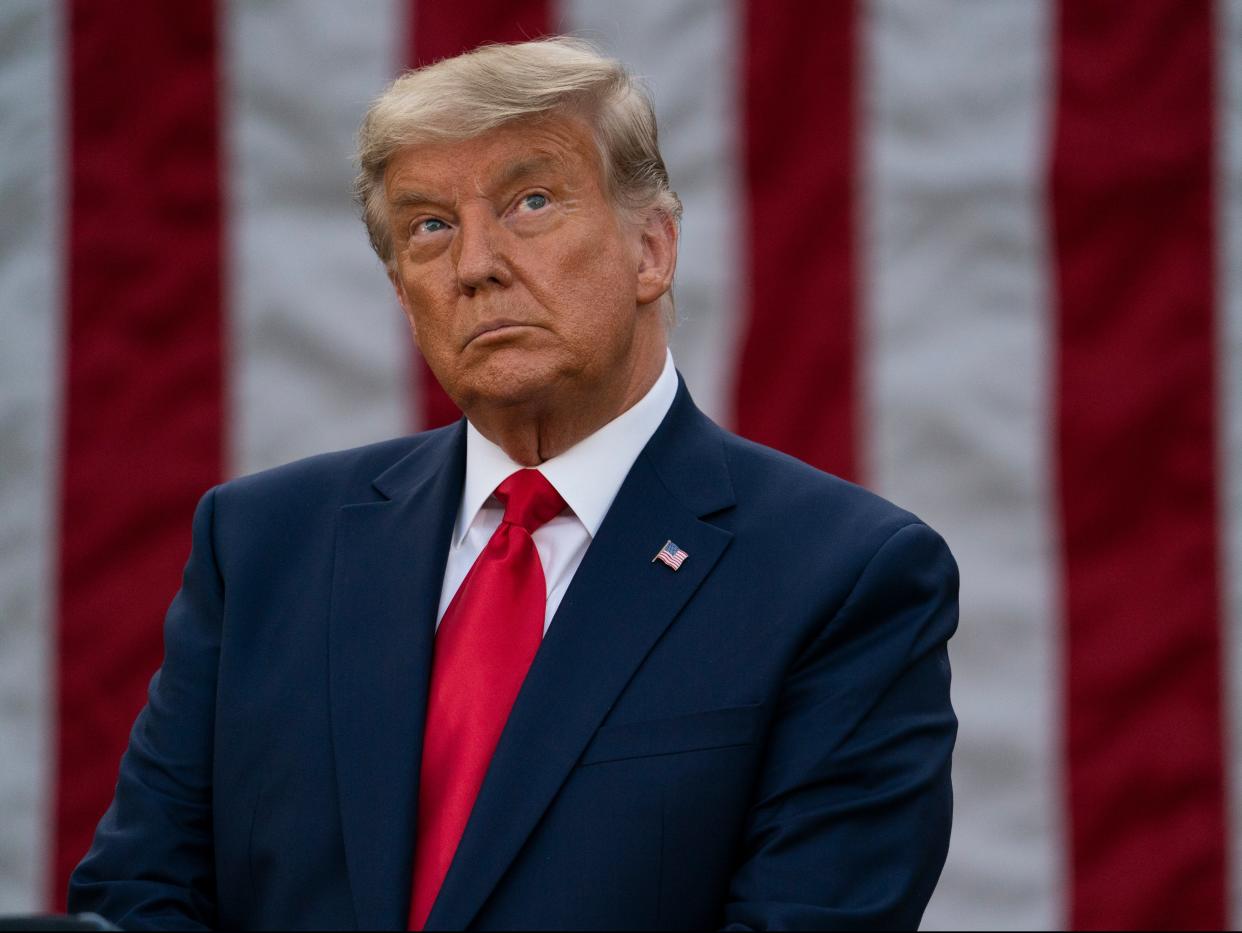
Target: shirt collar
[588,475]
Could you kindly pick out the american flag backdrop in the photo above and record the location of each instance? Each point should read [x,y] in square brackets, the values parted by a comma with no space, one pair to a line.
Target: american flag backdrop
[984,256]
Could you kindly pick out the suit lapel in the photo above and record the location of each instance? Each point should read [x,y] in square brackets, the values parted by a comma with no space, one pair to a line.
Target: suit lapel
[617,607]
[389,564]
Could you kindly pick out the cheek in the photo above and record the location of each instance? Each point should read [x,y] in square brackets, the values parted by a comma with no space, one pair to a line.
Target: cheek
[597,271]
[427,304]
[600,330]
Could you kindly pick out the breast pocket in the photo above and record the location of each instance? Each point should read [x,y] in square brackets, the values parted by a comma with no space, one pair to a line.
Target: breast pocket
[717,728]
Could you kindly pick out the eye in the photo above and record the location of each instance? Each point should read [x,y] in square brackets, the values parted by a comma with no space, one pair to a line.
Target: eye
[427,225]
[534,201]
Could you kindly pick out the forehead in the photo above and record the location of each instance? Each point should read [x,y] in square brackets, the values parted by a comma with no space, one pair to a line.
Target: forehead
[558,145]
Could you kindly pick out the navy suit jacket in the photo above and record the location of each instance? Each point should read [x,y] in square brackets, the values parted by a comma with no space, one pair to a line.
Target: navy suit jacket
[761,739]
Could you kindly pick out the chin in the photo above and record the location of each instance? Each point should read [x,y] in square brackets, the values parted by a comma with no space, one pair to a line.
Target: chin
[500,385]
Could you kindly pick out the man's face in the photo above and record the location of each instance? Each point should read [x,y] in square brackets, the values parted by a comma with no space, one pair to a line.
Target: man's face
[520,279]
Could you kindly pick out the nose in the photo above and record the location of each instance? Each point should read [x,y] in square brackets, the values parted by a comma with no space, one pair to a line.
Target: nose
[479,255]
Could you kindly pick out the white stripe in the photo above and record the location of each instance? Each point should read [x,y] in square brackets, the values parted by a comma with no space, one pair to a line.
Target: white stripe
[31,310]
[320,352]
[957,361]
[1229,262]
[688,53]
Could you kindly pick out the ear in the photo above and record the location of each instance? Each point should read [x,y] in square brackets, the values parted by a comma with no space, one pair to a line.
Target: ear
[658,257]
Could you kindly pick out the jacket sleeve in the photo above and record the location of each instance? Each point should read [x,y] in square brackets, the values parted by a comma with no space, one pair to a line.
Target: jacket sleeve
[853,805]
[151,863]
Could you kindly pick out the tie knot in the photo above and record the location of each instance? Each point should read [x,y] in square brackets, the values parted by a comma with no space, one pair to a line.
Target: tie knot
[529,499]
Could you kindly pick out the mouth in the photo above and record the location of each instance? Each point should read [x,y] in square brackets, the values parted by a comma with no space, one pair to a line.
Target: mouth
[497,328]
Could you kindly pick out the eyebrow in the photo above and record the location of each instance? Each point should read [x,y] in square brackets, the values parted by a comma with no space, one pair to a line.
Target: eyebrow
[525,168]
[410,198]
[511,175]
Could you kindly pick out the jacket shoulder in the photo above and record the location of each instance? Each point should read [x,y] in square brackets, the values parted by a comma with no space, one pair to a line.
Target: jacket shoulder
[322,481]
[794,494]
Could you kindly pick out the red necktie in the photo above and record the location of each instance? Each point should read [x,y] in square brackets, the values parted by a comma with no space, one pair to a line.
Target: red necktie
[483,649]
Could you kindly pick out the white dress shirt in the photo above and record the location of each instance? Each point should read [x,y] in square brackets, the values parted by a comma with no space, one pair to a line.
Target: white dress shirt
[588,476]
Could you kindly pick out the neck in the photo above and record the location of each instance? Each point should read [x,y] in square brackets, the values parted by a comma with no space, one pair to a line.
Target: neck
[533,432]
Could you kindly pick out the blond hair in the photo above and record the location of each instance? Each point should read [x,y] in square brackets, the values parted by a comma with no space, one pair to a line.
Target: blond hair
[465,96]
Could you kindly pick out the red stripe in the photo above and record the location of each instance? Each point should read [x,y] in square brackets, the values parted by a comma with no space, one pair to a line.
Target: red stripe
[441,30]
[796,376]
[144,386]
[1132,208]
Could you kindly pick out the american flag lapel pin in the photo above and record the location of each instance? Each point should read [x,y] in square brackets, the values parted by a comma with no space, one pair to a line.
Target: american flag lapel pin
[671,555]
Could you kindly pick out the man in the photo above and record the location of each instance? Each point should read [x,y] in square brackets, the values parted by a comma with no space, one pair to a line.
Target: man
[583,660]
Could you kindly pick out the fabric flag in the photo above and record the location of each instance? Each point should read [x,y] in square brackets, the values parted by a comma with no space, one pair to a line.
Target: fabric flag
[983,258]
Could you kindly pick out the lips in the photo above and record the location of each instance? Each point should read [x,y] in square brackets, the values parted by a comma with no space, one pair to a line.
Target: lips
[488,327]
